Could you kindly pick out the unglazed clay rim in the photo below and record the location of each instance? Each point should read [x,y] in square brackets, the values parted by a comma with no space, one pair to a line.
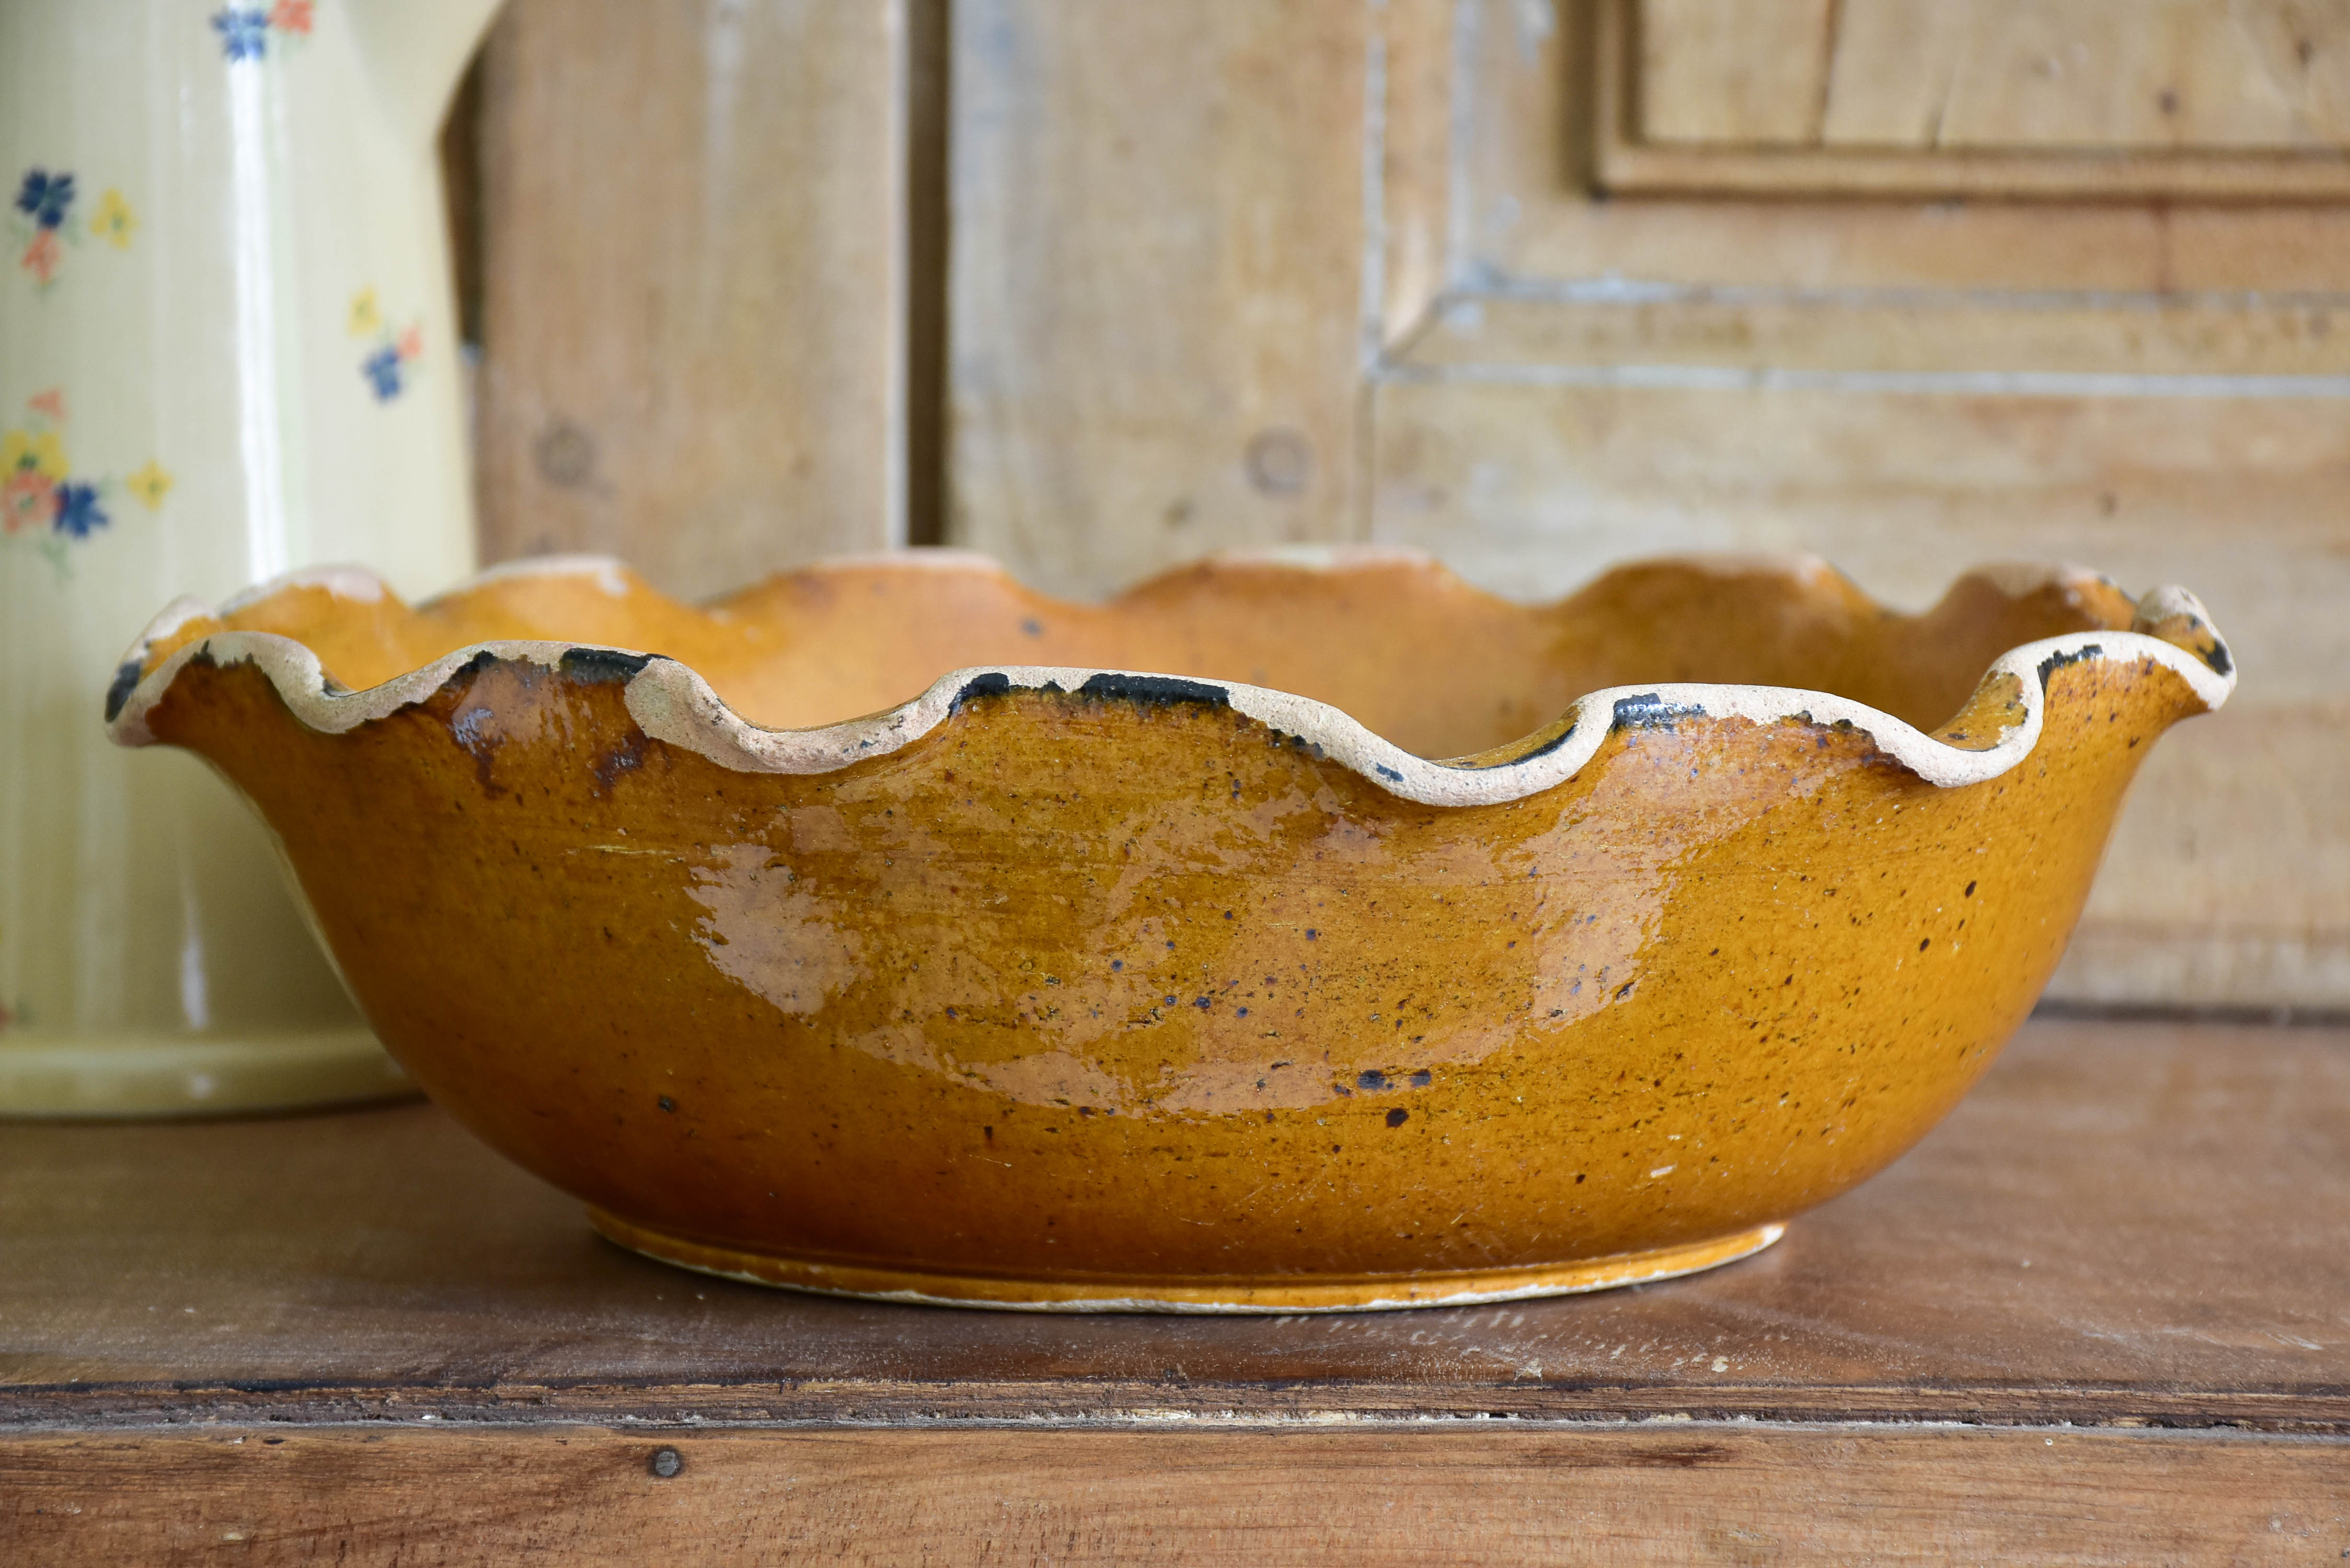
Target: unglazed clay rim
[673,703]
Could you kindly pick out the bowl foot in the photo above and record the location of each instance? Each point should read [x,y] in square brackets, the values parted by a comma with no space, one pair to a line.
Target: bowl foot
[194,1075]
[1276,1295]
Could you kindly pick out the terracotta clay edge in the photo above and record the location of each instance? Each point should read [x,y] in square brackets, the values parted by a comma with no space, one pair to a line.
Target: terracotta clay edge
[673,703]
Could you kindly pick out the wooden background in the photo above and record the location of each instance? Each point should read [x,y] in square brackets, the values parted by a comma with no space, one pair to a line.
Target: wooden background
[1537,286]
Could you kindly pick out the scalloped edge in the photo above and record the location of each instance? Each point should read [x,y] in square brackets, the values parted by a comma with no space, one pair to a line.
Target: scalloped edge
[673,703]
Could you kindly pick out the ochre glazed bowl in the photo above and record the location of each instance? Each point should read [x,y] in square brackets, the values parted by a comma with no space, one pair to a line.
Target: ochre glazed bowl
[1053,983]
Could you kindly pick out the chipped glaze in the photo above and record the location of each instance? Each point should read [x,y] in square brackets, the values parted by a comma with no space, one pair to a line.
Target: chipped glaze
[1384,944]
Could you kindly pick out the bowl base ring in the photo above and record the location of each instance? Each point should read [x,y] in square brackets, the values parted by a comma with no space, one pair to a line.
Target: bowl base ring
[1273,1296]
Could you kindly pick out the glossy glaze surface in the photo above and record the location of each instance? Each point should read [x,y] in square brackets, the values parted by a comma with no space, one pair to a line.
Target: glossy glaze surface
[1123,993]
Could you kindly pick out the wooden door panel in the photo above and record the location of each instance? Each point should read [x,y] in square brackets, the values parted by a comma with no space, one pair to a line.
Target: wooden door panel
[1156,309]
[2045,76]
[1710,72]
[691,238]
[2073,100]
[1909,387]
[2112,74]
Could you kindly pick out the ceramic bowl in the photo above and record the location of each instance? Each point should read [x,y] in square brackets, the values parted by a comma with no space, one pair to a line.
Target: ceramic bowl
[1284,935]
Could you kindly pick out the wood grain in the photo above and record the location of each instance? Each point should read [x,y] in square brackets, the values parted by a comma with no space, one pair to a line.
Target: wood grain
[692,270]
[1730,70]
[1156,306]
[1527,81]
[1714,1493]
[1882,342]
[2137,74]
[1408,192]
[2122,1224]
[2119,75]
[2085,100]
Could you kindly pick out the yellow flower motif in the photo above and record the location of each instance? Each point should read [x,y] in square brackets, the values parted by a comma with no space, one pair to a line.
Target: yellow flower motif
[150,483]
[366,316]
[43,454]
[114,222]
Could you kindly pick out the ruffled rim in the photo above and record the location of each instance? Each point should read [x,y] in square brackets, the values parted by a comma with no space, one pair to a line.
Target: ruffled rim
[673,703]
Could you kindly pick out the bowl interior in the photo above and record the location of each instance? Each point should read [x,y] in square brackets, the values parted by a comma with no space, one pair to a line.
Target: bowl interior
[1434,665]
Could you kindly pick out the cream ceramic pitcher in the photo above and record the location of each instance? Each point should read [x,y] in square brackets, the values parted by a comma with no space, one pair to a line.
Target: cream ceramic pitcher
[227,352]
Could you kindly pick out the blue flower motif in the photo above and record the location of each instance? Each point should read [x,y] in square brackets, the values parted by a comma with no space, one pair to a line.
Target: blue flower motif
[44,197]
[78,512]
[382,370]
[244,34]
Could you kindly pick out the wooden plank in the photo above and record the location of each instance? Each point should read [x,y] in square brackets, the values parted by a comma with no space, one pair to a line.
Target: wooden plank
[929,92]
[2141,75]
[692,230]
[1411,190]
[1694,1492]
[2120,1226]
[1157,317]
[2082,98]
[1632,169]
[1731,72]
[2014,75]
[1528,219]
[2131,343]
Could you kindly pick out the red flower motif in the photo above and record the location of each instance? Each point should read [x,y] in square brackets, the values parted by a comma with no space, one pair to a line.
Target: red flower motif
[28,500]
[41,255]
[411,342]
[51,403]
[291,17]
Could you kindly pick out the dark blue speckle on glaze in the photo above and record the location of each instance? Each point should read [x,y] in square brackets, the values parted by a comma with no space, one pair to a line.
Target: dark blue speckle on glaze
[1548,747]
[1646,711]
[2056,661]
[992,683]
[602,666]
[1155,688]
[126,681]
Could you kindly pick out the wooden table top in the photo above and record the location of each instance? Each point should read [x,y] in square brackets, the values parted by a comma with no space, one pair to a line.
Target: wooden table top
[2129,1228]
[2122,1221]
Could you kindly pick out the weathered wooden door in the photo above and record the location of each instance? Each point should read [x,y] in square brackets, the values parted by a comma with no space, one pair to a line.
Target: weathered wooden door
[1912,285]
